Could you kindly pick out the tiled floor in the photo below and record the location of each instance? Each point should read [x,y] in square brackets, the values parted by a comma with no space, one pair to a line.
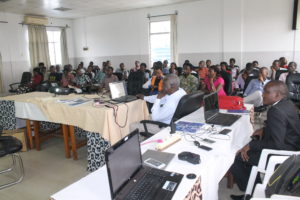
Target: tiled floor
[48,171]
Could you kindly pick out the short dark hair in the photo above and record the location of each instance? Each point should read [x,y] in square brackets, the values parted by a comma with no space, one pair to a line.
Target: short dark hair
[143,64]
[232,60]
[279,86]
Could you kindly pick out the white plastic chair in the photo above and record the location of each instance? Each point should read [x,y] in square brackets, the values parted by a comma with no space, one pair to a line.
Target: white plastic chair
[277,157]
[278,197]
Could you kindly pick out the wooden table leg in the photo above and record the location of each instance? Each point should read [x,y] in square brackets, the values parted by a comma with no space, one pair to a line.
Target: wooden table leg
[36,128]
[29,133]
[65,130]
[73,142]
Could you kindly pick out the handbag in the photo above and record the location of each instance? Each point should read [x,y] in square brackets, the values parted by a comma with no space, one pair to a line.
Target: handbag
[231,103]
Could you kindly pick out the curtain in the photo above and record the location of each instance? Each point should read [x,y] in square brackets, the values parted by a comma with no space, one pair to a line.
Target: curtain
[174,38]
[1,81]
[64,47]
[38,45]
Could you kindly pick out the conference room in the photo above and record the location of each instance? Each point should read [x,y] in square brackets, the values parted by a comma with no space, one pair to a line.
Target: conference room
[82,82]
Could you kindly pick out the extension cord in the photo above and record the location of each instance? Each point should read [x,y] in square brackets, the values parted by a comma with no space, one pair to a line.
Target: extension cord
[167,142]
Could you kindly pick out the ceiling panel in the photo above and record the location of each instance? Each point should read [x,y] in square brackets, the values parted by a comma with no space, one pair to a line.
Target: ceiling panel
[79,8]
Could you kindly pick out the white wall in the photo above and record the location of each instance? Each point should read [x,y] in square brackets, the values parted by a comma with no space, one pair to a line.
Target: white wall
[217,29]
[14,46]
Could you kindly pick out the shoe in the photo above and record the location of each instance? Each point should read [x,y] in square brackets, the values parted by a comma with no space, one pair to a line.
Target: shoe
[240,197]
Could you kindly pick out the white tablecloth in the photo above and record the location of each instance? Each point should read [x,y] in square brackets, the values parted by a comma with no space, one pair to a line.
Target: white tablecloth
[214,163]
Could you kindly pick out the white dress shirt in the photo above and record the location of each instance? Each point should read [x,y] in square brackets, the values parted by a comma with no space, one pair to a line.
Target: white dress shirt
[163,109]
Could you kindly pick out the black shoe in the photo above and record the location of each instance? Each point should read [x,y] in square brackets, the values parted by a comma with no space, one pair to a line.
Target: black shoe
[240,197]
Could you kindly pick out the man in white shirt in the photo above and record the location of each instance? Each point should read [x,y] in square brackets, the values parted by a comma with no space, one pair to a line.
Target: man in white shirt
[165,102]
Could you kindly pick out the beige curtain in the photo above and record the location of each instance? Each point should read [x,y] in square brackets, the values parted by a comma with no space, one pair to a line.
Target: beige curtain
[1,81]
[38,45]
[64,47]
[174,38]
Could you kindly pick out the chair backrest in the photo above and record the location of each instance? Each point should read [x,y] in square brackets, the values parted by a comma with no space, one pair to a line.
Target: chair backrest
[188,104]
[293,84]
[119,75]
[135,82]
[279,72]
[26,78]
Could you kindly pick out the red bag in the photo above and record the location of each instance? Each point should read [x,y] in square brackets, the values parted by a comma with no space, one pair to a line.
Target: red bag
[231,103]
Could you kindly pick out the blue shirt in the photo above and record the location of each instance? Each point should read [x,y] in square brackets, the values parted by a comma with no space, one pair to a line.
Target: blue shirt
[255,85]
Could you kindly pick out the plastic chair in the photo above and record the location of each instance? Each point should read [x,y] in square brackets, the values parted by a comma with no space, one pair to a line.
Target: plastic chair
[266,165]
[11,146]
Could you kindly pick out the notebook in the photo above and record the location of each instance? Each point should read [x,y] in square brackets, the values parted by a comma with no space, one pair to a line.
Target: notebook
[118,92]
[212,114]
[163,157]
[129,179]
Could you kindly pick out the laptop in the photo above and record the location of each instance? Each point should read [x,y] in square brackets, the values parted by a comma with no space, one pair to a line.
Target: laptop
[212,114]
[129,179]
[118,92]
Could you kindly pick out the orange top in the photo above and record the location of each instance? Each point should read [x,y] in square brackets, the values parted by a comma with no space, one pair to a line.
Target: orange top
[203,72]
[160,84]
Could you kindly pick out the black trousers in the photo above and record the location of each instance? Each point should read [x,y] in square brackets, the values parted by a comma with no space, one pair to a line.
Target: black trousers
[241,169]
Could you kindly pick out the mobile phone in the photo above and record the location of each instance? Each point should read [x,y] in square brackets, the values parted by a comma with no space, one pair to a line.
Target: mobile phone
[224,131]
[208,141]
[205,147]
[154,163]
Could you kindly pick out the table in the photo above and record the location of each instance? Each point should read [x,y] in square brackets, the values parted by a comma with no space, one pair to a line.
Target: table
[99,122]
[214,164]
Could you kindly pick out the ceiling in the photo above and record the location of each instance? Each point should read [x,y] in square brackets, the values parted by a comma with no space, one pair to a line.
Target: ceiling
[79,8]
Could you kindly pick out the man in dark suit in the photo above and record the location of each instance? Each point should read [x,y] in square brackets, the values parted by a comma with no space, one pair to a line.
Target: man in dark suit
[282,132]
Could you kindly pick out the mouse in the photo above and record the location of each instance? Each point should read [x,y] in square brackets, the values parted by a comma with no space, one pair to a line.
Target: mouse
[191,176]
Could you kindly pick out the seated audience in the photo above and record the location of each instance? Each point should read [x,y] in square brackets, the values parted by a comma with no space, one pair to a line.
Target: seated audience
[188,82]
[136,67]
[147,73]
[165,68]
[203,70]
[81,79]
[90,72]
[235,69]
[253,92]
[291,70]
[108,78]
[173,68]
[156,82]
[240,81]
[59,72]
[67,78]
[166,101]
[255,64]
[283,62]
[226,75]
[281,132]
[123,71]
[99,76]
[208,63]
[274,68]
[214,82]
[53,76]
[36,79]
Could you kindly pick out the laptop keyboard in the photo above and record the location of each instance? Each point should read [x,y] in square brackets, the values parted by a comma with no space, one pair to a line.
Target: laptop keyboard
[125,98]
[148,185]
[224,119]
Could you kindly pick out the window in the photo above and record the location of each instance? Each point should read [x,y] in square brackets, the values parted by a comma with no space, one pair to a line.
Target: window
[160,41]
[54,47]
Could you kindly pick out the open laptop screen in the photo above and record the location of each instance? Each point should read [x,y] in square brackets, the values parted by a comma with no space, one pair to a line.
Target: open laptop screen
[123,160]
[211,105]
[117,89]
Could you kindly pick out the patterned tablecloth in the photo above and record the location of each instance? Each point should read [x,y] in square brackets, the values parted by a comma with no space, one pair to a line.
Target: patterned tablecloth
[102,126]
